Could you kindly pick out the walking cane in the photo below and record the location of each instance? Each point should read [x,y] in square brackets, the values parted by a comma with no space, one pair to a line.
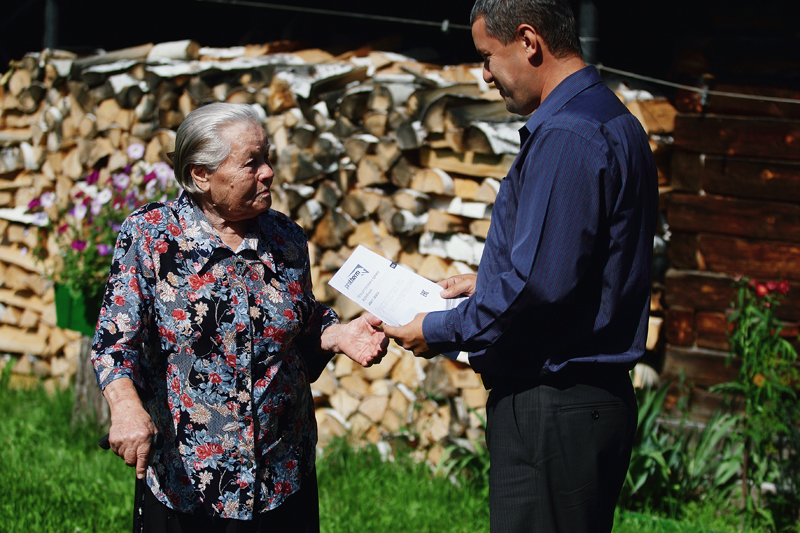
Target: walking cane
[140,484]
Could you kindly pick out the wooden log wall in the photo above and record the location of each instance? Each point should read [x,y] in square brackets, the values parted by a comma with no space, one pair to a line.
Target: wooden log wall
[369,148]
[734,210]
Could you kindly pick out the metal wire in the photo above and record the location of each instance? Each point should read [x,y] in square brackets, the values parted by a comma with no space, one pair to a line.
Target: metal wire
[444,25]
[705,92]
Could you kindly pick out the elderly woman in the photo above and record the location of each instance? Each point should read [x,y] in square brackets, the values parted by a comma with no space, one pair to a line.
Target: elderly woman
[209,334]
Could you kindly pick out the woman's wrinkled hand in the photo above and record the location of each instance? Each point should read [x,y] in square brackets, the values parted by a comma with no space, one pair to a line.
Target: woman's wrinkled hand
[361,340]
[132,430]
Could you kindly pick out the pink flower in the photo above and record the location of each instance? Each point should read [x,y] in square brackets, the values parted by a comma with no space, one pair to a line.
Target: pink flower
[761,290]
[78,245]
[783,287]
[772,285]
[92,178]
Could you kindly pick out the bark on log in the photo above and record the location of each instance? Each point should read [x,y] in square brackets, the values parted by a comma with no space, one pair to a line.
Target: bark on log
[719,253]
[733,176]
[738,136]
[741,218]
[706,367]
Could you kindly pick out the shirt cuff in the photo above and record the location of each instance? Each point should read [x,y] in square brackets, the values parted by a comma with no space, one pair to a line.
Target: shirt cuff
[435,328]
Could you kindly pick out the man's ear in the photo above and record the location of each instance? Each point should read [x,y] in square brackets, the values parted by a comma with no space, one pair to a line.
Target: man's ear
[528,37]
[200,177]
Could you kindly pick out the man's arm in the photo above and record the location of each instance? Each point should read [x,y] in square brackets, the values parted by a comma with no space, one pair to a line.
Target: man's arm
[555,227]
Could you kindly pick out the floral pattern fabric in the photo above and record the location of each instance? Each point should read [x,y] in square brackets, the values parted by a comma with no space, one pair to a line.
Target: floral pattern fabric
[218,344]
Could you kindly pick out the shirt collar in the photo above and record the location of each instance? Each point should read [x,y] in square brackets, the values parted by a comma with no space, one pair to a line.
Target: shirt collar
[565,91]
[204,242]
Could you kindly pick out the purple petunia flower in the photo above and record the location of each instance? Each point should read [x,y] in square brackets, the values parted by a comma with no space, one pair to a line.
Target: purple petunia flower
[164,173]
[48,199]
[79,245]
[121,181]
[135,151]
[79,211]
[103,249]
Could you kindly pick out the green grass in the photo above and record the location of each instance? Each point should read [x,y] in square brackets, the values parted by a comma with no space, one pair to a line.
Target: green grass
[359,492]
[53,479]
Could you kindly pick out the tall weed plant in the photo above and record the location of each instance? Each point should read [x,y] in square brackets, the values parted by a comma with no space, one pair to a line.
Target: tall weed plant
[766,392]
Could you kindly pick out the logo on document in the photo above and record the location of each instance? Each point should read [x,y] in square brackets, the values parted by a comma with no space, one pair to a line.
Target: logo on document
[357,271]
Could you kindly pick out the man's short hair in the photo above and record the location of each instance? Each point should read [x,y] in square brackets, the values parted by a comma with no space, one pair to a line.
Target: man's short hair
[552,19]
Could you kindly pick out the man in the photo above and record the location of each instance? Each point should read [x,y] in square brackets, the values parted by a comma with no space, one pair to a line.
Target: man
[558,313]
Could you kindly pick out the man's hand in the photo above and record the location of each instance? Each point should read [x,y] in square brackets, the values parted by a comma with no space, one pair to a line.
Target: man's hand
[132,429]
[410,337]
[456,286]
[361,340]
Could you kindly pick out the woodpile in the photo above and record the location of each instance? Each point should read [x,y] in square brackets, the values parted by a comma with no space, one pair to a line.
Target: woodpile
[369,148]
[734,210]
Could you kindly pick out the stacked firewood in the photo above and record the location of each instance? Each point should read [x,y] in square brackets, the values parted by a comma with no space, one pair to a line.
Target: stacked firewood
[734,211]
[369,148]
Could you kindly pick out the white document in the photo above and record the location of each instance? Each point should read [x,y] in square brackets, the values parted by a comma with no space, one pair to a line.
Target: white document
[389,291]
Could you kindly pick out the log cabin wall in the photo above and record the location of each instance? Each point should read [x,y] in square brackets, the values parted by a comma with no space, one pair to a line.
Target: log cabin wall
[733,210]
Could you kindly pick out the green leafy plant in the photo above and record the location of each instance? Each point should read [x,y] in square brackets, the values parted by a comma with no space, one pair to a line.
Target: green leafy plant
[85,223]
[766,390]
[468,459]
[675,464]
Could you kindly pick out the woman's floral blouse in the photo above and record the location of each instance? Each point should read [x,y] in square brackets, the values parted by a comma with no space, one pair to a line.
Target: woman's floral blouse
[218,343]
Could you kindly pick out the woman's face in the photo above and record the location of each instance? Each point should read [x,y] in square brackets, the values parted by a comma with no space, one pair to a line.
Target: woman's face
[240,188]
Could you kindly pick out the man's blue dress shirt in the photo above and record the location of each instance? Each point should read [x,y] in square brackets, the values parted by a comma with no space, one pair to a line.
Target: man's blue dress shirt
[565,274]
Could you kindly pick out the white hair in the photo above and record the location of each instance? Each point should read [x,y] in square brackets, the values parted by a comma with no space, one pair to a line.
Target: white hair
[199,141]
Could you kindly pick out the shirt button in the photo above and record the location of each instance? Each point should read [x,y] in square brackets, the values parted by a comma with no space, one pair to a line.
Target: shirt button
[247,422]
[239,264]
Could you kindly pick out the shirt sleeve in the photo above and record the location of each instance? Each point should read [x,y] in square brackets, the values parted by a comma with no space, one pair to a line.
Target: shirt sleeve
[321,318]
[126,309]
[555,228]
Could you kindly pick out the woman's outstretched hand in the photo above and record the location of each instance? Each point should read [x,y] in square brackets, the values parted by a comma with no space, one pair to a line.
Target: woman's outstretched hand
[361,340]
